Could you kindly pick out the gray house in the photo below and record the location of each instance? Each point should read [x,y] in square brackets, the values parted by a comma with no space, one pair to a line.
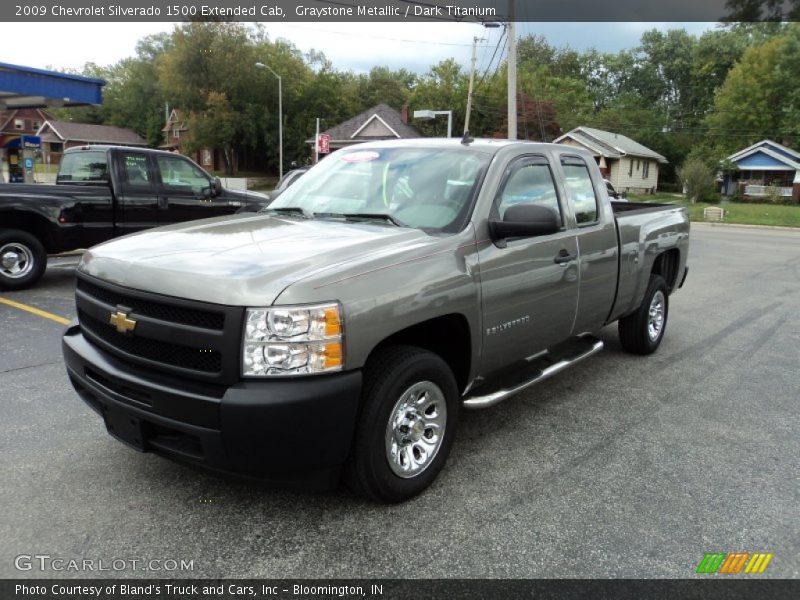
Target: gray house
[626,163]
[381,122]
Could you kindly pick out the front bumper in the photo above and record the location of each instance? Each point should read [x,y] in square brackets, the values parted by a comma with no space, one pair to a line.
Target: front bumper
[297,429]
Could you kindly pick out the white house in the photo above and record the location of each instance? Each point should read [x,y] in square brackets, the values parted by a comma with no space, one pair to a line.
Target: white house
[627,164]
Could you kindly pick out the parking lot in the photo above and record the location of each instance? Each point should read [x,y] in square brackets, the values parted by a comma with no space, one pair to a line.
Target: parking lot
[621,467]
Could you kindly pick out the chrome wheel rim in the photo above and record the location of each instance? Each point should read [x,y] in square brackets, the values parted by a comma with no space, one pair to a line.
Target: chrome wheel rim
[655,317]
[16,260]
[415,429]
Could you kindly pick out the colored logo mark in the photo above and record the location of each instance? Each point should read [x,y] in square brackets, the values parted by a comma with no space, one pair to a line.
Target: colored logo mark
[732,563]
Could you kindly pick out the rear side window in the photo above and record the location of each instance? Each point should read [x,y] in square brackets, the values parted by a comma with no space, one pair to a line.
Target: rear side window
[83,167]
[136,169]
[530,183]
[580,191]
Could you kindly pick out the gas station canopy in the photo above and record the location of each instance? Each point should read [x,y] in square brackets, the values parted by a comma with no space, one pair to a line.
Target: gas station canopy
[26,87]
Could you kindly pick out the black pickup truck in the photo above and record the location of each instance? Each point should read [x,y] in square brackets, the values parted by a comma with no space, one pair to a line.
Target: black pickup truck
[103,192]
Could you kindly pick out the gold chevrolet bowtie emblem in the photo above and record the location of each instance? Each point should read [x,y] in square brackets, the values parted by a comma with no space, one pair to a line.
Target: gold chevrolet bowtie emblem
[121,321]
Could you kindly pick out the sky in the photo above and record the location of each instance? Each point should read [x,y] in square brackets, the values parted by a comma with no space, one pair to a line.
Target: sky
[350,46]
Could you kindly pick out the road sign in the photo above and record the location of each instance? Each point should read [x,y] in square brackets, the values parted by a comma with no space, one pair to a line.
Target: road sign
[324,143]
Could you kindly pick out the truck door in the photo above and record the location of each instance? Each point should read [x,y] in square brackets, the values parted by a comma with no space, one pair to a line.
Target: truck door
[87,173]
[529,286]
[597,242]
[137,194]
[186,191]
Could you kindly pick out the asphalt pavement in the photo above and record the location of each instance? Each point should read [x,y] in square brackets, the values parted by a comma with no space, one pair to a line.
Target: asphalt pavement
[623,466]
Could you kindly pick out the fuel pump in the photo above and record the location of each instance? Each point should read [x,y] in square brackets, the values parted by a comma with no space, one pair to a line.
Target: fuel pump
[21,155]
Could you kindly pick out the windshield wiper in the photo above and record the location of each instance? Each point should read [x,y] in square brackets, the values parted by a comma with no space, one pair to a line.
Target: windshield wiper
[363,216]
[292,210]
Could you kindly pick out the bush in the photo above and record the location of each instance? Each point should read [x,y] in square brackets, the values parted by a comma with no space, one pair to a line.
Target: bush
[697,178]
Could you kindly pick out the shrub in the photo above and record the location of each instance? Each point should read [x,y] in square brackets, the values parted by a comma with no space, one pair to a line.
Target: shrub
[697,178]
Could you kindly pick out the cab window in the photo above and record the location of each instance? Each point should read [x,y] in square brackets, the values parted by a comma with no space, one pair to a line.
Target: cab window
[83,167]
[580,191]
[135,169]
[530,182]
[179,174]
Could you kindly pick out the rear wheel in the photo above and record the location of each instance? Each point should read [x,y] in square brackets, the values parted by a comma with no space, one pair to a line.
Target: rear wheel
[22,259]
[407,424]
[642,331]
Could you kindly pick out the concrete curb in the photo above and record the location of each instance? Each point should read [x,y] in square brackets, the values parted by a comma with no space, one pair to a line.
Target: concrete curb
[744,226]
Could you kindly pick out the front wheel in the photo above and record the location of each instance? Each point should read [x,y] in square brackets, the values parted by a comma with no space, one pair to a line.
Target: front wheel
[641,332]
[407,424]
[22,259]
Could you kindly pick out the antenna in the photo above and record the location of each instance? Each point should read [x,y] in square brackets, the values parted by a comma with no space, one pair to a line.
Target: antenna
[467,139]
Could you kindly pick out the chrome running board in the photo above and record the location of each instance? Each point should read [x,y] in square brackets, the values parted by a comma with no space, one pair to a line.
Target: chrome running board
[545,372]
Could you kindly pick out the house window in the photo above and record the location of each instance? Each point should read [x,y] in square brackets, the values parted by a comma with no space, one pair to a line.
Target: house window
[56,147]
[36,125]
[637,165]
[646,169]
[207,157]
[176,133]
[630,168]
[19,124]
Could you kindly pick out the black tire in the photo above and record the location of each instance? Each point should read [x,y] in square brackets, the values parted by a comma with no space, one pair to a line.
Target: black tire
[22,259]
[634,330]
[388,377]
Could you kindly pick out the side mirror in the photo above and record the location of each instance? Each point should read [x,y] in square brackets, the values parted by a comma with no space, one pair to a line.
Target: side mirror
[216,187]
[525,220]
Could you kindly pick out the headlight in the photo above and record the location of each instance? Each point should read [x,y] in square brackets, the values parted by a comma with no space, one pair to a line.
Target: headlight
[292,340]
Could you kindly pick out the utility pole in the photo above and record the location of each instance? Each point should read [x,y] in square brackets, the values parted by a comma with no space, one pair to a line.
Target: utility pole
[512,73]
[475,41]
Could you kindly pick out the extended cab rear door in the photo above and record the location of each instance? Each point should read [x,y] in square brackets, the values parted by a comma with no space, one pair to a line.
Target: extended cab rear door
[529,285]
[137,192]
[186,191]
[597,241]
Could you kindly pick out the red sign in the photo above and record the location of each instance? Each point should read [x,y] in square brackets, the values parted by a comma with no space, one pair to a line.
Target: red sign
[324,143]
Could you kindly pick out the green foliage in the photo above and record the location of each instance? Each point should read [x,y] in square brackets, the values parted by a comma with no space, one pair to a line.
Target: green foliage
[697,178]
[681,95]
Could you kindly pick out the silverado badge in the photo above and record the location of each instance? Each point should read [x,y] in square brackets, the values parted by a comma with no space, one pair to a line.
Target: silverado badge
[121,321]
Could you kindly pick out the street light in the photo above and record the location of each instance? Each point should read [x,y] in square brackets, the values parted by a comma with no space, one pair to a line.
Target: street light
[431,114]
[280,117]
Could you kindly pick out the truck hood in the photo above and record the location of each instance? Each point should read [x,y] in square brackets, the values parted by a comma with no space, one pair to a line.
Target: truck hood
[243,260]
[248,196]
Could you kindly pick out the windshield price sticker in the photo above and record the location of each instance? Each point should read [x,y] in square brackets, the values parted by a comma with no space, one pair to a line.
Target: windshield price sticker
[359,157]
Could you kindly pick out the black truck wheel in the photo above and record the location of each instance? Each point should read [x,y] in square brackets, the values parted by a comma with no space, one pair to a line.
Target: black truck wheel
[407,424]
[641,332]
[22,259]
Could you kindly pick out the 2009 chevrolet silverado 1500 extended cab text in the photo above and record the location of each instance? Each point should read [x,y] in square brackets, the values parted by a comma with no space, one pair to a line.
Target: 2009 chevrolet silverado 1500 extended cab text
[345,326]
[103,192]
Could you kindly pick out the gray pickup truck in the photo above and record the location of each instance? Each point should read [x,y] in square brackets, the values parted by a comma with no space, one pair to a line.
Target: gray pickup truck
[341,330]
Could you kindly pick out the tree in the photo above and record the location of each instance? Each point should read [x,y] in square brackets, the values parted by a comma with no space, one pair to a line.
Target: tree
[210,68]
[443,87]
[750,104]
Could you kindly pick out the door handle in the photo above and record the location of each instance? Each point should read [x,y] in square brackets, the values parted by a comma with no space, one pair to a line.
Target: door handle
[564,257]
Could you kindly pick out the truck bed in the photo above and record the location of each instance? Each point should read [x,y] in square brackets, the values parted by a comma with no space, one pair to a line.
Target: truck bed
[638,207]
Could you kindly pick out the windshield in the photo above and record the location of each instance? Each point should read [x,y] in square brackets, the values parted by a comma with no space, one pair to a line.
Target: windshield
[426,188]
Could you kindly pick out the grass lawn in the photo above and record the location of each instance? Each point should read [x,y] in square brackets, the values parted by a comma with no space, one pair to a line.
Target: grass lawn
[735,212]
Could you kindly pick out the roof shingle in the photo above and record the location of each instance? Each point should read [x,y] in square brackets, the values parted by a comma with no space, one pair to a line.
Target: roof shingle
[610,145]
[95,134]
